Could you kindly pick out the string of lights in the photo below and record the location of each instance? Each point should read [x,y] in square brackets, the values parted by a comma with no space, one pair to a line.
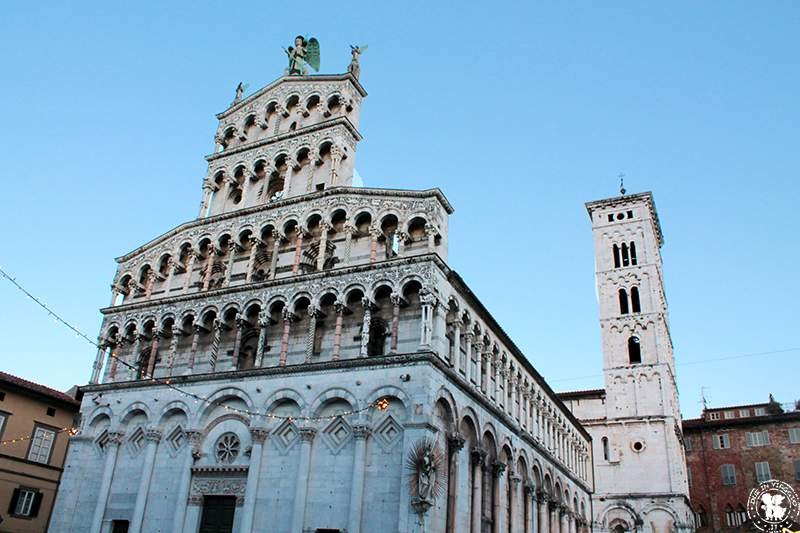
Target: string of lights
[381,404]
[72,430]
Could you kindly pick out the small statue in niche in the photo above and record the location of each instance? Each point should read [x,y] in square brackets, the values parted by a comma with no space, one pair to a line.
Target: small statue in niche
[303,52]
[425,463]
[355,67]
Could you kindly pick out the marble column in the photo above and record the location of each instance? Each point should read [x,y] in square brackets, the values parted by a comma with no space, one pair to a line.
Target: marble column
[455,359]
[513,505]
[542,512]
[349,230]
[151,361]
[209,267]
[365,326]
[468,370]
[208,189]
[396,301]
[193,349]
[229,268]
[529,491]
[152,436]
[564,519]
[336,159]
[111,450]
[251,259]
[478,457]
[273,263]
[301,487]
[259,435]
[428,302]
[288,316]
[113,358]
[360,434]
[137,341]
[194,438]
[313,313]
[374,233]
[241,324]
[189,268]
[455,443]
[323,244]
[171,266]
[337,333]
[498,468]
[263,323]
[148,285]
[173,347]
[298,249]
[216,331]
[97,367]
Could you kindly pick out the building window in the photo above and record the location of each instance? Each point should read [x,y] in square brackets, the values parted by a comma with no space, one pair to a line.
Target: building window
[762,472]
[616,256]
[700,517]
[743,413]
[728,474]
[634,350]
[735,517]
[689,477]
[227,448]
[3,418]
[713,416]
[729,415]
[119,526]
[623,302]
[687,444]
[721,441]
[606,454]
[626,258]
[633,253]
[635,306]
[757,438]
[794,435]
[41,445]
[760,411]
[25,502]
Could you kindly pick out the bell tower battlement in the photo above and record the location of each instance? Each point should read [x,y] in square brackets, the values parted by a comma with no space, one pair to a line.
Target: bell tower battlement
[295,136]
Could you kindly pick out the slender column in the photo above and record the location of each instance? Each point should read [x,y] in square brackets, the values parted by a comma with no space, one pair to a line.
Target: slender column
[273,264]
[312,332]
[113,357]
[189,268]
[192,452]
[97,367]
[153,436]
[173,347]
[513,409]
[360,434]
[455,359]
[171,266]
[337,334]
[428,301]
[111,449]
[365,326]
[259,435]
[193,350]
[229,268]
[485,367]
[530,526]
[115,292]
[216,330]
[288,316]
[555,524]
[151,362]
[251,258]
[478,456]
[208,188]
[396,301]
[402,239]
[263,323]
[564,518]
[541,510]
[301,487]
[209,267]
[349,230]
[298,248]
[287,181]
[241,324]
[137,341]
[513,505]
[148,284]
[336,159]
[374,233]
[469,338]
[245,187]
[455,442]
[498,468]
[323,245]
[430,232]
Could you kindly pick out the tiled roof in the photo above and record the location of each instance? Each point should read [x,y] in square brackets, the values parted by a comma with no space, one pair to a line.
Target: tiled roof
[18,382]
[579,393]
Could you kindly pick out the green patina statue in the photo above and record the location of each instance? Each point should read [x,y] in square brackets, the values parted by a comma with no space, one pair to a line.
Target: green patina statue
[305,51]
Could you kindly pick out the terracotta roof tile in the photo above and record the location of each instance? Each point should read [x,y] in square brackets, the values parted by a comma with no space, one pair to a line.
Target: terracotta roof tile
[35,387]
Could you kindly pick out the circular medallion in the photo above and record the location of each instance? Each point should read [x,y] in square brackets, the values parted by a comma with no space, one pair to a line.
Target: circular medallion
[773,505]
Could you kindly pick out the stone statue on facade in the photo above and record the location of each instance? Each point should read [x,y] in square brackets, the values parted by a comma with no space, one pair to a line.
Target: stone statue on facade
[305,51]
[354,67]
[240,89]
[424,462]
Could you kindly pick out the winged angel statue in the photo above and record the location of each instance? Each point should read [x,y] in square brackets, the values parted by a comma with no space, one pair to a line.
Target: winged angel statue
[305,51]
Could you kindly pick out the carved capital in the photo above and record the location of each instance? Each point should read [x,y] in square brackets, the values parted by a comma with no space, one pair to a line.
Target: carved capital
[115,438]
[456,441]
[498,467]
[259,435]
[288,316]
[361,432]
[307,434]
[153,435]
[478,454]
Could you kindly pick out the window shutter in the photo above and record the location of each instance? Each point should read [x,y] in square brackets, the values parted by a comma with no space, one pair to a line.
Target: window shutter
[14,499]
[37,502]
[715,442]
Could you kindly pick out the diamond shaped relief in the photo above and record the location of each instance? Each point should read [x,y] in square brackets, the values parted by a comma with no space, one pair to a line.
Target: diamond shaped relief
[336,435]
[285,436]
[388,433]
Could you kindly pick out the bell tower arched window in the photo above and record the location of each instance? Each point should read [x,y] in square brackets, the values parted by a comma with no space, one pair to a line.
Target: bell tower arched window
[634,350]
[606,454]
[635,306]
[633,253]
[626,261]
[623,302]
[616,256]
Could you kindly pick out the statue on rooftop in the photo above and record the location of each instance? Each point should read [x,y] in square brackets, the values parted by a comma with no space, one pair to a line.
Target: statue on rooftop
[303,52]
[240,89]
[354,67]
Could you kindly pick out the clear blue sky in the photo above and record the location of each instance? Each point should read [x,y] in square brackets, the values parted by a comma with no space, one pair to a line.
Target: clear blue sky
[519,113]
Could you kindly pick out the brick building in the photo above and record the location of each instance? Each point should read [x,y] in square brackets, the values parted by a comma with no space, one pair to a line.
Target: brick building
[729,450]
[32,422]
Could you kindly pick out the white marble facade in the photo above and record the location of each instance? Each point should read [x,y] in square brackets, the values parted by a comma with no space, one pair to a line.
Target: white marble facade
[289,307]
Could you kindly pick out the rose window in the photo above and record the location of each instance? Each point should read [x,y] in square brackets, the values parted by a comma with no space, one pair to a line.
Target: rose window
[227,448]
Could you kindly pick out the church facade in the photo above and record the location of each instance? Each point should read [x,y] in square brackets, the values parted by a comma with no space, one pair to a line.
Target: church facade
[301,358]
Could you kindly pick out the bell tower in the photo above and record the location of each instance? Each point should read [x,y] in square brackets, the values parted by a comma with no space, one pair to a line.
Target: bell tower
[641,432]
